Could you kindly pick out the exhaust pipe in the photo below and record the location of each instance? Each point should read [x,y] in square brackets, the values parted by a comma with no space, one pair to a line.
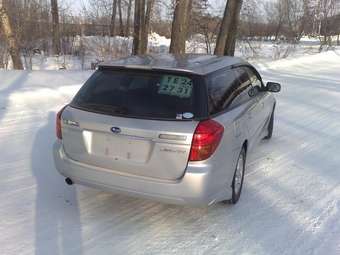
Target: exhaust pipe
[69,181]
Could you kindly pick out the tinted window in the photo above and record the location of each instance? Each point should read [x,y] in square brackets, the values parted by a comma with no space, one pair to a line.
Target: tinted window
[242,75]
[220,89]
[241,95]
[254,79]
[141,94]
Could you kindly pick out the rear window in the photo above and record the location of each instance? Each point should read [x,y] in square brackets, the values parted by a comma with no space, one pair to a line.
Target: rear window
[138,95]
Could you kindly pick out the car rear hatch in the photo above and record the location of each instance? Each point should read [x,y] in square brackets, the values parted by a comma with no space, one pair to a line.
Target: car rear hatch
[133,122]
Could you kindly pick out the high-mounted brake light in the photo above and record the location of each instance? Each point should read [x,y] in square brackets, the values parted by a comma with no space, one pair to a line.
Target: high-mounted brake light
[58,123]
[206,139]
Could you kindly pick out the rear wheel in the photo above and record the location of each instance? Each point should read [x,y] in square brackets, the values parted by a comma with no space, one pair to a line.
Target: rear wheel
[237,183]
[270,126]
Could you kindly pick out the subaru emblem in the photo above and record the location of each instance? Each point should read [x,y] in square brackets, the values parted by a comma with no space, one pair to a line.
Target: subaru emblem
[115,130]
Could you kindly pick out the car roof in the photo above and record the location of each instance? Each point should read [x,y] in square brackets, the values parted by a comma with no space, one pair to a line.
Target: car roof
[201,64]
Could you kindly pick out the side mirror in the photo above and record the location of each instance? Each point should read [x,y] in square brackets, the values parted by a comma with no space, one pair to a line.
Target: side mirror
[254,91]
[273,87]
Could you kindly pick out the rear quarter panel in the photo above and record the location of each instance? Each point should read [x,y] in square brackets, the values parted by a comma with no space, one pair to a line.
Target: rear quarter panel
[235,134]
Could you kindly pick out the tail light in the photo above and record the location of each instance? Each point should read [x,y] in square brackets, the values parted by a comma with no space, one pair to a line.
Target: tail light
[58,123]
[206,138]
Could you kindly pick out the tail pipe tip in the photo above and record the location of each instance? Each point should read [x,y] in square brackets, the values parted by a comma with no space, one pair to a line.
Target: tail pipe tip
[69,181]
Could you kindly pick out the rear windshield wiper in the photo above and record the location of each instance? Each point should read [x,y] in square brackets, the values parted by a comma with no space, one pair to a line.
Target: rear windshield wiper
[107,108]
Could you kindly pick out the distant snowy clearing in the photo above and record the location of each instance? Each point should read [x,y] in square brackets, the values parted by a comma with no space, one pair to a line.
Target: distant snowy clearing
[89,50]
[290,203]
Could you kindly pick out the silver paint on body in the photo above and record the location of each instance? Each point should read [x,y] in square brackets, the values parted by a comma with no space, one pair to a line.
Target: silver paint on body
[149,158]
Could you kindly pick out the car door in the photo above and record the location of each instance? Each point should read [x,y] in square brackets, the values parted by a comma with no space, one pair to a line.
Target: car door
[262,96]
[253,105]
[224,97]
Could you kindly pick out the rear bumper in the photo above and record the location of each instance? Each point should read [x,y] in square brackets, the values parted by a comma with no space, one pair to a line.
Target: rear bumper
[198,186]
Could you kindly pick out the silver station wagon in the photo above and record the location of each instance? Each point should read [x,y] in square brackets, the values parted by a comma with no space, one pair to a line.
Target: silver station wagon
[172,128]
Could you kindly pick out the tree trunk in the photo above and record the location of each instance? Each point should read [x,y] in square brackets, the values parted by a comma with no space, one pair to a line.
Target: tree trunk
[137,29]
[146,26]
[121,25]
[305,18]
[226,40]
[278,29]
[113,18]
[141,26]
[179,26]
[10,38]
[128,17]
[55,27]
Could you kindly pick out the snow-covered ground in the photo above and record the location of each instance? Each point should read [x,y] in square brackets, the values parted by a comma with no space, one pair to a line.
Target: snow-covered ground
[291,199]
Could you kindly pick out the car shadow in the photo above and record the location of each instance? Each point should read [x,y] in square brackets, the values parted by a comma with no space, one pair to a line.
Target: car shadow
[57,218]
[13,86]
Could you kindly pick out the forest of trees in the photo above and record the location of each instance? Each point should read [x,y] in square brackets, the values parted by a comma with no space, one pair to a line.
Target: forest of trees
[28,27]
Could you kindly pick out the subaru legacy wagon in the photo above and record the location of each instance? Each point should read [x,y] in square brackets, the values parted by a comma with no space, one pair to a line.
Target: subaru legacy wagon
[176,129]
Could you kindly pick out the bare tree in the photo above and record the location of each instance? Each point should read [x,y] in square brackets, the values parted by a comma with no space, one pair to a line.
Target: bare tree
[137,27]
[249,17]
[55,27]
[295,16]
[113,18]
[179,26]
[146,25]
[289,18]
[306,21]
[326,9]
[202,22]
[141,26]
[128,17]
[10,37]
[274,13]
[121,25]
[226,39]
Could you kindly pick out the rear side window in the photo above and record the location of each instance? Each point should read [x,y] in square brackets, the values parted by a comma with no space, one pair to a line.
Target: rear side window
[220,90]
[228,89]
[241,94]
[254,79]
[138,94]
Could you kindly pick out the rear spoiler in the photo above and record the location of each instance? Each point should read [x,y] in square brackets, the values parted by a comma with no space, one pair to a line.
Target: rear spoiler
[144,68]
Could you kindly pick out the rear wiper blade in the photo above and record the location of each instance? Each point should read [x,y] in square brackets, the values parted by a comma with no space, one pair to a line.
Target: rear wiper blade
[110,108]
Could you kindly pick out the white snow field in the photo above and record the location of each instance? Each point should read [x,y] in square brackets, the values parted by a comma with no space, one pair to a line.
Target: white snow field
[290,203]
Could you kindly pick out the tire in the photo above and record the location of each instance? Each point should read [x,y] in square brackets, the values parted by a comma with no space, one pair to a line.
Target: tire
[270,126]
[238,178]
